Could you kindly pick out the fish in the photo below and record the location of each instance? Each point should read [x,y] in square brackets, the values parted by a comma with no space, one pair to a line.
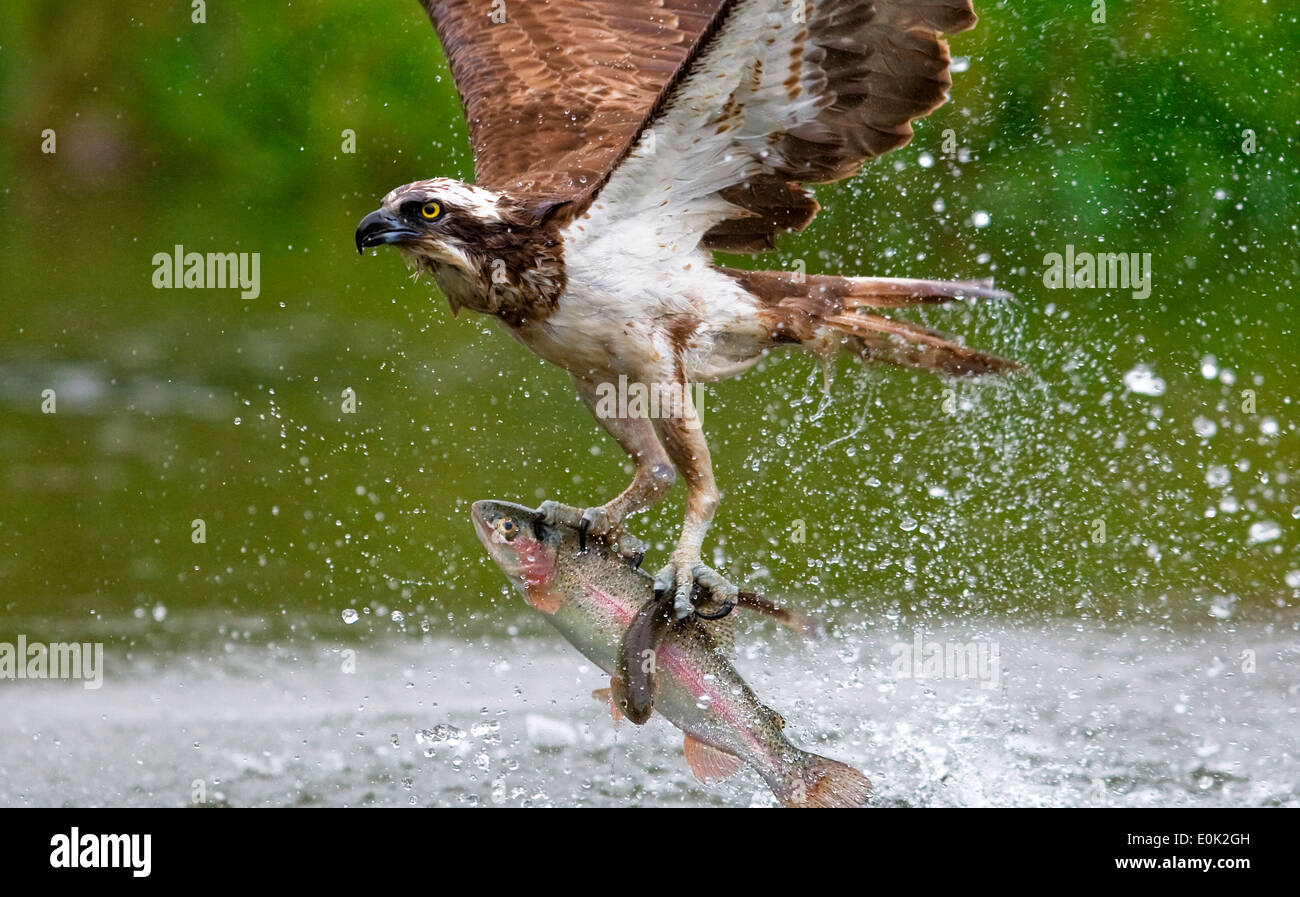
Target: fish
[592,594]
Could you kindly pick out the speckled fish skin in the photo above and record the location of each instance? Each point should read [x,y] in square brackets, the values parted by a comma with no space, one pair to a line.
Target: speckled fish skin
[591,596]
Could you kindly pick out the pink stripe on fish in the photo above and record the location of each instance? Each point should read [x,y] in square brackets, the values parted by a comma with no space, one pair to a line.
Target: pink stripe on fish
[721,704]
[673,661]
[619,608]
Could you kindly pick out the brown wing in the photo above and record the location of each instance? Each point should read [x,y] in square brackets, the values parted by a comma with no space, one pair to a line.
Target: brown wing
[886,64]
[877,66]
[770,100]
[555,91]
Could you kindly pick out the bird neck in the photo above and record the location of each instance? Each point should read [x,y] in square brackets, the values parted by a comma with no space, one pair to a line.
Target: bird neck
[515,273]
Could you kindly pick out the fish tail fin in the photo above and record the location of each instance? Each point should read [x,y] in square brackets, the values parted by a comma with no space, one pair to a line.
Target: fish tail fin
[814,781]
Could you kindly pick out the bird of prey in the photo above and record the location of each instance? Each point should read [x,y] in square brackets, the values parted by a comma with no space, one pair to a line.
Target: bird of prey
[617,143]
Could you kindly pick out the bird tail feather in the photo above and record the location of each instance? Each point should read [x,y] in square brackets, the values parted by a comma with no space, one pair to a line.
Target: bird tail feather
[827,313]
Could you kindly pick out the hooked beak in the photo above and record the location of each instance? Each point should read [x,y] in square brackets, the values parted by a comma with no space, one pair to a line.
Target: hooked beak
[380,227]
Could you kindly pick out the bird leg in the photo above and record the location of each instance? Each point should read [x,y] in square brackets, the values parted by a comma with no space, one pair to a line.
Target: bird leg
[689,452]
[653,475]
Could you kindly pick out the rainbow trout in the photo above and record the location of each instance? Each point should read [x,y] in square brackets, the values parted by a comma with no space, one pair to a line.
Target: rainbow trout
[592,595]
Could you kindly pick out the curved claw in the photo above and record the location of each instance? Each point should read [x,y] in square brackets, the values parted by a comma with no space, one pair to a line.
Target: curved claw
[686,580]
[583,525]
[727,608]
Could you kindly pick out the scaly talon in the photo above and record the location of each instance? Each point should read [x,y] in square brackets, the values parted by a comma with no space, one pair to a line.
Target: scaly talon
[666,580]
[721,588]
[556,514]
[630,547]
[681,577]
[596,523]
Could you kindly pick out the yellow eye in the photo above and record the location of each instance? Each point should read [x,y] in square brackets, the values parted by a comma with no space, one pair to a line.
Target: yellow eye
[506,527]
[431,210]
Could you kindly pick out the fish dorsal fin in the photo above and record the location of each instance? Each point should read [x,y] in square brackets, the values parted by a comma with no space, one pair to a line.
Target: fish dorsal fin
[709,764]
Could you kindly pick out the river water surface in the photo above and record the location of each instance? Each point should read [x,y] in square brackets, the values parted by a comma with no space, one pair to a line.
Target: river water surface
[1079,714]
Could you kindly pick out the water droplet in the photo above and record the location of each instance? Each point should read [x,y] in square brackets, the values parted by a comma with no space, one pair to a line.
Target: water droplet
[482,730]
[1264,531]
[350,616]
[439,734]
[1204,427]
[1222,606]
[1218,476]
[1144,381]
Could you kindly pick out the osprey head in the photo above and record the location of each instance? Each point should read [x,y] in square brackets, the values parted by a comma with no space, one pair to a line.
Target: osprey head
[435,220]
[487,250]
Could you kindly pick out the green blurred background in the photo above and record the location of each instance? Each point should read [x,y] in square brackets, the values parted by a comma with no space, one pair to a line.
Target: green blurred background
[227,136]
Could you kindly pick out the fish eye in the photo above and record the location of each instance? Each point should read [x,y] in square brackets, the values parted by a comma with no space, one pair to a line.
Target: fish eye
[430,210]
[507,527]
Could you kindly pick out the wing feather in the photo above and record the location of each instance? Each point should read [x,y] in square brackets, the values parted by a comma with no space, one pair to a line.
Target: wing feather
[556,91]
[773,99]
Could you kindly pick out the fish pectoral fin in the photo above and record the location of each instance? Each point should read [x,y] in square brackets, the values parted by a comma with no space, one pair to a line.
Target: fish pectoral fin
[544,598]
[709,764]
[609,696]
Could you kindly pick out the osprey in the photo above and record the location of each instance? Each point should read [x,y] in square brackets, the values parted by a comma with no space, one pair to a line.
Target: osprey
[617,143]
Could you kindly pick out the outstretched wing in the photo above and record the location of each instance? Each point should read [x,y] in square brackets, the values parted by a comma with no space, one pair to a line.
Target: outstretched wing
[780,93]
[556,91]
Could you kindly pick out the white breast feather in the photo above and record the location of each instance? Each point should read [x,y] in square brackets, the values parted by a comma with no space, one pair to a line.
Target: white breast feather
[634,258]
